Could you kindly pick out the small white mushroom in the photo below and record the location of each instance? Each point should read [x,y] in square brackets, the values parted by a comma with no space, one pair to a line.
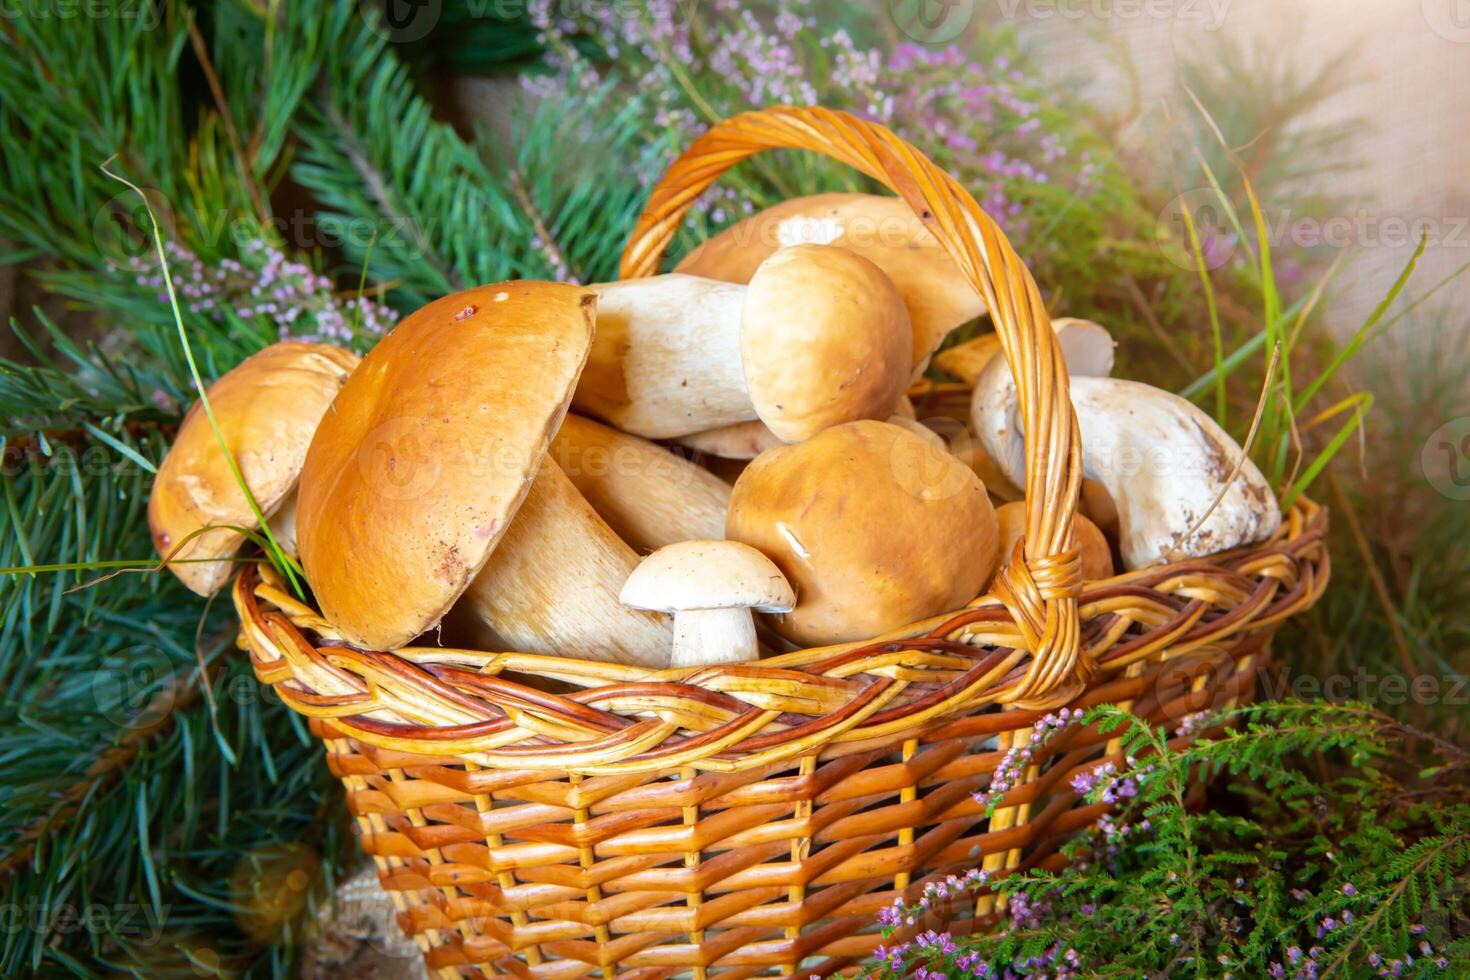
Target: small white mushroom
[820,337]
[1181,488]
[711,587]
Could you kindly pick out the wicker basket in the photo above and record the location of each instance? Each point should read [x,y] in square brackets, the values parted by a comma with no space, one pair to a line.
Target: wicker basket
[750,820]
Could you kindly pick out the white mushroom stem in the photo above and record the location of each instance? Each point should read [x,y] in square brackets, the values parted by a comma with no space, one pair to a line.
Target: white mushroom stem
[283,524]
[1181,486]
[747,440]
[713,636]
[665,360]
[648,495]
[743,440]
[819,337]
[551,586]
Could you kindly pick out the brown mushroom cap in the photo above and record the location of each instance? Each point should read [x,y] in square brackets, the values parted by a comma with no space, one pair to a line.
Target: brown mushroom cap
[415,474]
[267,408]
[693,575]
[1097,554]
[883,230]
[824,339]
[874,526]
[1097,505]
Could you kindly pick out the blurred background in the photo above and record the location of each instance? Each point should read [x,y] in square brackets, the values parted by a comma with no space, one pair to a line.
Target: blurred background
[1394,77]
[1206,178]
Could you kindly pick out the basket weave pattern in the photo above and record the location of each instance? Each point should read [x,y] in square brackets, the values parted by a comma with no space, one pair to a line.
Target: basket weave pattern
[751,819]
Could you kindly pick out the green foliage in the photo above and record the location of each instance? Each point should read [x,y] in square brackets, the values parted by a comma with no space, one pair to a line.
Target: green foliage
[1278,876]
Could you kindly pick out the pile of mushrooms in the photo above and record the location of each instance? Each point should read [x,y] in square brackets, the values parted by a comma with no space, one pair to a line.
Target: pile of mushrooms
[693,469]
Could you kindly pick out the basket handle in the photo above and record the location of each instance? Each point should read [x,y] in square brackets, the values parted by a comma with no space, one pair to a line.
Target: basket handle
[1039,585]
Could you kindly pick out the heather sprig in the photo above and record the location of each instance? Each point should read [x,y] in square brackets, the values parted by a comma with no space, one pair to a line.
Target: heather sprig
[265,282]
[1014,763]
[985,116]
[1276,888]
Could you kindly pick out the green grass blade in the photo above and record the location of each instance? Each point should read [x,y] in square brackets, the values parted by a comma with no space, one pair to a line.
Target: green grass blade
[1361,337]
[1209,289]
[1339,439]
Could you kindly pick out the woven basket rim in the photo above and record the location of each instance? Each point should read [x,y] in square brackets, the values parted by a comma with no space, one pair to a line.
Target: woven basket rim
[628,719]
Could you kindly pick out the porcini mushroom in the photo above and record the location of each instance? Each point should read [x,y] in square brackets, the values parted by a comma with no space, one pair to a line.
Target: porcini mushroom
[739,440]
[1087,348]
[1092,546]
[747,440]
[875,527]
[883,230]
[1180,484]
[267,408]
[819,337]
[711,587]
[427,479]
[648,495]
